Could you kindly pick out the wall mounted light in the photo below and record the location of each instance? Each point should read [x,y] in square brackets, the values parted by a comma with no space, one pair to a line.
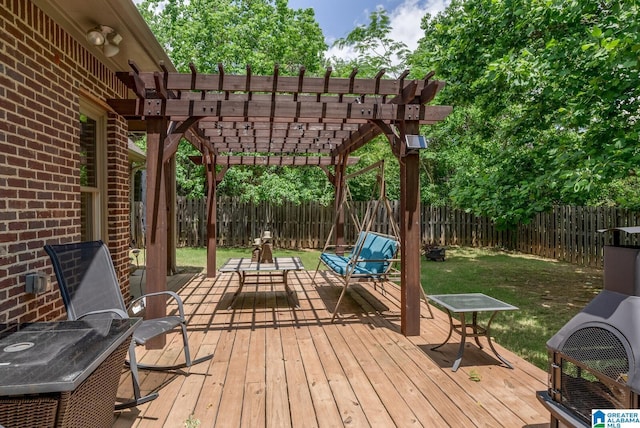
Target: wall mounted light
[106,37]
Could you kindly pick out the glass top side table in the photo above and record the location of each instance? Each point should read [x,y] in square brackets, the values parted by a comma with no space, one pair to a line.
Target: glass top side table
[470,303]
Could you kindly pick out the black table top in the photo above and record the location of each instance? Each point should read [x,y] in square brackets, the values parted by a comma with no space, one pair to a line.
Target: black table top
[56,356]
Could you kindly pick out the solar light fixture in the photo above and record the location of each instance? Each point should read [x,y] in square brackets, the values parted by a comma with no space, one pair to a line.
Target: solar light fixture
[416,142]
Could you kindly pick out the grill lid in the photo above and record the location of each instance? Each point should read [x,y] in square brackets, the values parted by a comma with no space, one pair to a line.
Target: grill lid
[613,312]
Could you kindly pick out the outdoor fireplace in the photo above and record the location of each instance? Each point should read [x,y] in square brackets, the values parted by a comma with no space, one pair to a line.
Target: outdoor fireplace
[594,360]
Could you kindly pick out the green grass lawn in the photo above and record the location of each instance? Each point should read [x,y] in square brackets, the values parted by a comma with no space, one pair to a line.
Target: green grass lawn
[196,258]
[547,292]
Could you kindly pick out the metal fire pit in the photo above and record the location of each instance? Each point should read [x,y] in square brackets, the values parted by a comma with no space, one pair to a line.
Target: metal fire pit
[590,372]
[592,359]
[434,253]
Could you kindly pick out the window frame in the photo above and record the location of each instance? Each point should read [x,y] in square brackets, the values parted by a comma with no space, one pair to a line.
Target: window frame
[98,194]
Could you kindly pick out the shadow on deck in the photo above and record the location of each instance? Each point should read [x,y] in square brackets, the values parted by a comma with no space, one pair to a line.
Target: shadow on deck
[279,366]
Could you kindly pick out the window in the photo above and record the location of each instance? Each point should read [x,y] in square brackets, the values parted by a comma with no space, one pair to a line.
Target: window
[92,173]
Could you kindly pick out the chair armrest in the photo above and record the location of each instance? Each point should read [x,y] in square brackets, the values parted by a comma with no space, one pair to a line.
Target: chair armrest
[171,294]
[352,264]
[346,248]
[353,261]
[117,312]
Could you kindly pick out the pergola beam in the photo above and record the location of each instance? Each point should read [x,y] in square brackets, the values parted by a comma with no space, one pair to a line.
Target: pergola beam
[315,142]
[274,160]
[264,84]
[285,110]
[358,139]
[313,126]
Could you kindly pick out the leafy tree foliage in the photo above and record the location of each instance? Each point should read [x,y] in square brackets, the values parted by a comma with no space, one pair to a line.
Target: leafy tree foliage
[374,47]
[237,34]
[545,99]
[190,178]
[376,51]
[277,184]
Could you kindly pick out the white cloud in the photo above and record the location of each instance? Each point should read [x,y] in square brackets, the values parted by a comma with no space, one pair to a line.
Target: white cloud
[406,19]
[405,24]
[344,53]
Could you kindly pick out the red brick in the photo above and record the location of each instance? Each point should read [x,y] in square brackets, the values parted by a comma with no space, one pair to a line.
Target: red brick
[41,69]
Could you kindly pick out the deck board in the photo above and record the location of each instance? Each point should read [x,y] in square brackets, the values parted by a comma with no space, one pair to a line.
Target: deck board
[278,366]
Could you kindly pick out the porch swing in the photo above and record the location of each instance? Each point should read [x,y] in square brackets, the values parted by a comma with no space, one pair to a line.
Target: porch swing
[374,256]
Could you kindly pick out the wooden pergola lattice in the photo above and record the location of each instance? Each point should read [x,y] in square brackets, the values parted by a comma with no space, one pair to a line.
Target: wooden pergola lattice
[277,120]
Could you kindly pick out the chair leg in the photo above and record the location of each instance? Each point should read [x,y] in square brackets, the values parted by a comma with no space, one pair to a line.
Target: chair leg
[185,343]
[335,310]
[133,367]
[424,296]
[313,279]
[187,354]
[188,362]
[380,281]
[135,380]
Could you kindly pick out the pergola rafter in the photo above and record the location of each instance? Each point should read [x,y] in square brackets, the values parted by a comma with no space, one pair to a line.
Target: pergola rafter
[280,120]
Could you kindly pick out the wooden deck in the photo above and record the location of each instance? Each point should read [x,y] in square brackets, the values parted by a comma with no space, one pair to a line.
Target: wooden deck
[278,366]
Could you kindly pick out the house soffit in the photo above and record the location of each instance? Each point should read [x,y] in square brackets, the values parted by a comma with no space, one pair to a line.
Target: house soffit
[79,16]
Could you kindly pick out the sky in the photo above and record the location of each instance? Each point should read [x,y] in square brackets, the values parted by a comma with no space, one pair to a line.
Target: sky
[338,17]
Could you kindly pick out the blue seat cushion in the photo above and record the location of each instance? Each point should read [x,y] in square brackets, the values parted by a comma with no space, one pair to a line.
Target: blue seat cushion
[373,251]
[339,264]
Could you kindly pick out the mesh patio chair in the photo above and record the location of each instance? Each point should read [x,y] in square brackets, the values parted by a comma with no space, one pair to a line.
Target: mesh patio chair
[90,289]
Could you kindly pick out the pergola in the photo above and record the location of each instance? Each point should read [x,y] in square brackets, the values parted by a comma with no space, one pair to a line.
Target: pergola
[277,120]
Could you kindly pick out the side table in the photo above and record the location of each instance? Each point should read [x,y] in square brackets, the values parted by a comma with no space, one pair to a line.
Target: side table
[470,303]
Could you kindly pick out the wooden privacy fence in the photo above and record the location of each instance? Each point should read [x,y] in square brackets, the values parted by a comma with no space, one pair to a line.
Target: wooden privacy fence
[565,233]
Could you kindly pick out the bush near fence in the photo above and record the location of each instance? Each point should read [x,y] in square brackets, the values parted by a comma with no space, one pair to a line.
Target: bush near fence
[565,233]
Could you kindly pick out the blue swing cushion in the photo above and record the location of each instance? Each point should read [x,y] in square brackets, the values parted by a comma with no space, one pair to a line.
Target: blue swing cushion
[374,252]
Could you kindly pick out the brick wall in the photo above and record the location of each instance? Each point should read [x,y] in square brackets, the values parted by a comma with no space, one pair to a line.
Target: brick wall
[43,71]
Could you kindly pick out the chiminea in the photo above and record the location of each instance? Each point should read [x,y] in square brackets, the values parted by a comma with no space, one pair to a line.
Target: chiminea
[594,360]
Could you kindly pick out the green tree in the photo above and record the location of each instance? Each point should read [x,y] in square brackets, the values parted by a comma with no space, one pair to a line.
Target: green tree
[545,102]
[374,47]
[277,184]
[376,51]
[190,178]
[237,34]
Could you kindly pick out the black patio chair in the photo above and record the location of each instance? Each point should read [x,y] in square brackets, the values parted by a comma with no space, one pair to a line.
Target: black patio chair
[90,289]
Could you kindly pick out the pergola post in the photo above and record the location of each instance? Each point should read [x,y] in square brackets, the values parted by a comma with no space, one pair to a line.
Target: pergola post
[156,233]
[212,231]
[410,236]
[170,186]
[340,183]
